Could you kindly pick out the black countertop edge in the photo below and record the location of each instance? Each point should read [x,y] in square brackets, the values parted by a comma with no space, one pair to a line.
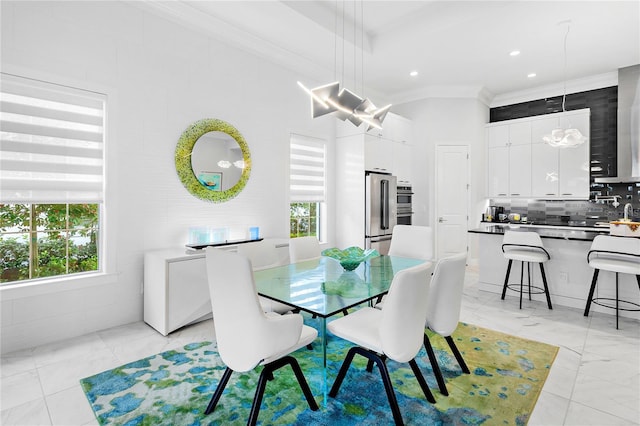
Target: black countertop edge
[558,234]
[220,244]
[575,224]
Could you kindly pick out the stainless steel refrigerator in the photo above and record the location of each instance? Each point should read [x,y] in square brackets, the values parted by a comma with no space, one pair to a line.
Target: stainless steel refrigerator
[380,210]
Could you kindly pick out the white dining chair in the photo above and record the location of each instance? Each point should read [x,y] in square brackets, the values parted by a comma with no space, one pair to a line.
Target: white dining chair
[304,248]
[526,247]
[263,255]
[247,337]
[443,310]
[412,241]
[620,255]
[395,332]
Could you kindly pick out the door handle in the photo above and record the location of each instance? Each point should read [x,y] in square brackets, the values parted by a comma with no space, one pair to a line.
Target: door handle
[441,219]
[384,193]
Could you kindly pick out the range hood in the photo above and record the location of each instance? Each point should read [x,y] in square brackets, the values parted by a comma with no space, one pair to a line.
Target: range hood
[628,127]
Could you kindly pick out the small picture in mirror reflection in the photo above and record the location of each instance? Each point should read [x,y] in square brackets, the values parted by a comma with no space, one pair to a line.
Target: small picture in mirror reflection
[211,180]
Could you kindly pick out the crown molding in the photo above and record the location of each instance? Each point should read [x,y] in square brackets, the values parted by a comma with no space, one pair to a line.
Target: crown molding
[451,92]
[226,32]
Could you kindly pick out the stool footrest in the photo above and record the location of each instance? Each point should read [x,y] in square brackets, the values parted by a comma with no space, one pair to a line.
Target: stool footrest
[624,302]
[525,288]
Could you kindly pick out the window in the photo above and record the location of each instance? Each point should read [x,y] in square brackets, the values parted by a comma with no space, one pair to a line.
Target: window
[51,179]
[44,240]
[304,220]
[306,185]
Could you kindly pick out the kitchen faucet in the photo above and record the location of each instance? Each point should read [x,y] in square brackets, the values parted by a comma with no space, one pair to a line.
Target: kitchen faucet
[608,198]
[627,207]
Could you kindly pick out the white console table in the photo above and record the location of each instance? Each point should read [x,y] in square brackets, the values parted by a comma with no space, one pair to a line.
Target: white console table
[176,291]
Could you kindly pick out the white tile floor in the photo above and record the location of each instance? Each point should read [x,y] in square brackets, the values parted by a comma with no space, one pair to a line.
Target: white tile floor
[595,379]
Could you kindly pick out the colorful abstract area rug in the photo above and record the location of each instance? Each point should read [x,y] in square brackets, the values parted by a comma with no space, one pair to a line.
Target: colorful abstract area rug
[174,387]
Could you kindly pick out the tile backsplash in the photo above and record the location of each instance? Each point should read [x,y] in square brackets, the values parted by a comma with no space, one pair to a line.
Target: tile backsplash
[576,212]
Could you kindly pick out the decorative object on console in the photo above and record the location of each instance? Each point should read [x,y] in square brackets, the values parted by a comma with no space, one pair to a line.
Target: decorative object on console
[208,235]
[202,178]
[350,258]
[254,232]
[565,137]
[344,104]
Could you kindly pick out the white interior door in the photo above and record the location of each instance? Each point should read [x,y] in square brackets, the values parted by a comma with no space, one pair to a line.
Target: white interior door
[452,199]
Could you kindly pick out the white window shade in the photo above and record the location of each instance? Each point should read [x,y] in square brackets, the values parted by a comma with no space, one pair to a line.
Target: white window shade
[51,143]
[307,169]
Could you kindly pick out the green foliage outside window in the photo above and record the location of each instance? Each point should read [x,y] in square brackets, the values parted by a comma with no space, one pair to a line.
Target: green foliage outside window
[303,219]
[45,240]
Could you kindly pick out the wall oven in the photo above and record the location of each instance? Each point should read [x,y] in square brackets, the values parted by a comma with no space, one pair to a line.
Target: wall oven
[405,211]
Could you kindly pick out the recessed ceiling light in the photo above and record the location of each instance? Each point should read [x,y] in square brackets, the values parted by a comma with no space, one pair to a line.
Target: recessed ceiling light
[531,75]
[514,53]
[413,73]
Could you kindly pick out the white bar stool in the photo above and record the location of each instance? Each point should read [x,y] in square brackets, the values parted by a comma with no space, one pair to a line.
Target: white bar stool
[614,254]
[526,247]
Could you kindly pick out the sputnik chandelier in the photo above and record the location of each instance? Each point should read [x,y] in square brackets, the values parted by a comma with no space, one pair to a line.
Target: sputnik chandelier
[343,103]
[565,137]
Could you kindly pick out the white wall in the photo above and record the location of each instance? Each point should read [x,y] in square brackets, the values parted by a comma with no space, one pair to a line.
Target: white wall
[454,122]
[159,78]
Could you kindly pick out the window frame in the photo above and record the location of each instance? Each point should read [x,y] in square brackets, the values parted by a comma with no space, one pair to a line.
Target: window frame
[313,198]
[106,273]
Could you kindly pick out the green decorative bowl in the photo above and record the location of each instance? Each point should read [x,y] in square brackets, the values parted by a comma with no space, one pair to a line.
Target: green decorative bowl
[350,258]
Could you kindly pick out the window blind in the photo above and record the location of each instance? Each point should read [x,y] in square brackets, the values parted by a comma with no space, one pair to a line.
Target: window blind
[51,143]
[307,169]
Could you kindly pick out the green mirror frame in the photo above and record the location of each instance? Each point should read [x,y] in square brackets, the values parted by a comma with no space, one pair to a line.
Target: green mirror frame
[184,149]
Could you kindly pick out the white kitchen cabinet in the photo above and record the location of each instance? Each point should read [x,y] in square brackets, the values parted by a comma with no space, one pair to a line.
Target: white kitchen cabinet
[498,171]
[544,159]
[378,154]
[498,135]
[356,153]
[520,170]
[560,172]
[520,164]
[176,292]
[384,150]
[402,160]
[574,163]
[350,200]
[509,159]
[397,128]
[520,133]
[544,170]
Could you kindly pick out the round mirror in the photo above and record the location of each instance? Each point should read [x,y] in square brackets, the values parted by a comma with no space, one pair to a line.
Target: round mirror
[212,160]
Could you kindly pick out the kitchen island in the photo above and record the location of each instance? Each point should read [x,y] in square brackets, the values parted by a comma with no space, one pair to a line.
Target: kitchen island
[568,274]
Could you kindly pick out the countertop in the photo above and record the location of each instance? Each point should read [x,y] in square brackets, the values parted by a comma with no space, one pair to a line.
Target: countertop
[580,233]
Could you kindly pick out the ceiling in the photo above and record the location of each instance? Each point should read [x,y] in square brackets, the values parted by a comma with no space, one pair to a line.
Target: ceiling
[457,47]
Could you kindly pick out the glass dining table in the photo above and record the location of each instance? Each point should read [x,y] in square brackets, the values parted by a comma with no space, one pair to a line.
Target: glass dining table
[323,288]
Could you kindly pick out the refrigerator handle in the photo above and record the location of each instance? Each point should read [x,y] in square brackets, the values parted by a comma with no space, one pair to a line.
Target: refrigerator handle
[384,194]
